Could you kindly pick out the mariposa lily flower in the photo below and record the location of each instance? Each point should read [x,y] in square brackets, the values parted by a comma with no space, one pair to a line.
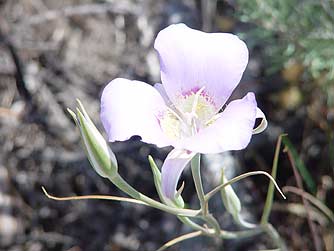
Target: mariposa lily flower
[188,110]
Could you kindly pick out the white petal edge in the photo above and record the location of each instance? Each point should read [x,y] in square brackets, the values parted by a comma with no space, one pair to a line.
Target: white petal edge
[264,123]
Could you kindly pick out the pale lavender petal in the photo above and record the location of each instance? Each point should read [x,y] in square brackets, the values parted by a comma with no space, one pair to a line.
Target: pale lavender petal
[231,131]
[131,108]
[191,59]
[171,170]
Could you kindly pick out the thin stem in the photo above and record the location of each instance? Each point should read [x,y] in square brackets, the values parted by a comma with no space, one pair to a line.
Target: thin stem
[93,197]
[183,219]
[118,181]
[194,225]
[196,172]
[213,222]
[270,194]
[223,235]
[240,177]
[240,234]
[239,220]
[180,239]
[274,235]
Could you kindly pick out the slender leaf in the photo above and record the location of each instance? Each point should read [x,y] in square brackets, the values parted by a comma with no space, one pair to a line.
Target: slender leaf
[307,177]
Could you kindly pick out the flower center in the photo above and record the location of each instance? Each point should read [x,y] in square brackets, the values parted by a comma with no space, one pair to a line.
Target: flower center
[194,111]
[170,124]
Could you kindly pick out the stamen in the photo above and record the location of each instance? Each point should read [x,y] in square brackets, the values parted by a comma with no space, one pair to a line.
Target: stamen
[195,103]
[193,115]
[213,119]
[175,114]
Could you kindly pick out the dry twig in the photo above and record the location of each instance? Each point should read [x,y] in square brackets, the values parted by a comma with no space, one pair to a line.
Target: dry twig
[314,234]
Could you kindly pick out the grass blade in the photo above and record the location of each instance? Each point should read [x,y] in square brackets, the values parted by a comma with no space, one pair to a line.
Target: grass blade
[305,174]
[270,194]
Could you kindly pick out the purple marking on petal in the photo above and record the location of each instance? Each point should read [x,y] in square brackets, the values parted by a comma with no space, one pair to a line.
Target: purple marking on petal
[171,170]
[203,94]
[191,91]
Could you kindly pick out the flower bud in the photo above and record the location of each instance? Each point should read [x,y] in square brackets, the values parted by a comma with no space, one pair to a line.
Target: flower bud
[230,199]
[97,149]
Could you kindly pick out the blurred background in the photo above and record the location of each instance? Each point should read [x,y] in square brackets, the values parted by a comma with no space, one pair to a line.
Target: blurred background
[52,52]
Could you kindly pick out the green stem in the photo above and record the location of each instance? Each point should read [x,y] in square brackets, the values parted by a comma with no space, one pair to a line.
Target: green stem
[274,235]
[270,194]
[240,234]
[206,216]
[179,239]
[196,172]
[222,233]
[118,181]
[194,225]
[240,177]
[213,222]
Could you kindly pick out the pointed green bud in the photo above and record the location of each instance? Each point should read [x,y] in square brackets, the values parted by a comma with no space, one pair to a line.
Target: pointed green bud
[157,182]
[97,149]
[230,199]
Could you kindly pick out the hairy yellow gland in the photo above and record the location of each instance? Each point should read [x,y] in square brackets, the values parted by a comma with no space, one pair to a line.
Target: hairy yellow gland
[194,111]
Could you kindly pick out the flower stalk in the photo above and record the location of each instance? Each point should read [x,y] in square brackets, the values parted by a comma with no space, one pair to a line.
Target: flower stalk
[240,177]
[274,235]
[205,214]
[118,181]
[196,173]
